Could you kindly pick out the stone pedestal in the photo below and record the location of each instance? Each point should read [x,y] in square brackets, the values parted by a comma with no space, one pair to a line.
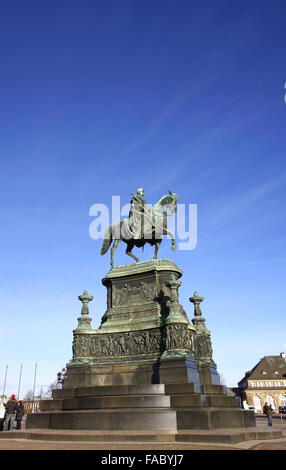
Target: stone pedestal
[145,336]
[146,366]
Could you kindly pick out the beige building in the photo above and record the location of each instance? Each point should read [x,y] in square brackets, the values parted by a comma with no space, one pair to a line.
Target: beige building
[266,382]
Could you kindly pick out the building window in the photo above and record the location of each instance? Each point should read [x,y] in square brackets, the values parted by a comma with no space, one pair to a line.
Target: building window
[270,401]
[257,402]
[283,400]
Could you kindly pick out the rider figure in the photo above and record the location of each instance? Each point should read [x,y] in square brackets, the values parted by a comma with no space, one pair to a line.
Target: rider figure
[138,210]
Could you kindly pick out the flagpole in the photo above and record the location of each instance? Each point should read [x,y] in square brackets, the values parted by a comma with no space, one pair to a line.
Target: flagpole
[4,387]
[34,387]
[18,396]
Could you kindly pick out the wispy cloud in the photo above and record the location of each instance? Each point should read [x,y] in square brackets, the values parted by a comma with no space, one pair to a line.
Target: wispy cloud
[190,89]
[202,145]
[225,213]
[155,126]
[265,261]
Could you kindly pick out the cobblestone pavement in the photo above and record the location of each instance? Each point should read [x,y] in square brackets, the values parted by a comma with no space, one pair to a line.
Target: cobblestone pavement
[15,444]
[270,446]
[170,446]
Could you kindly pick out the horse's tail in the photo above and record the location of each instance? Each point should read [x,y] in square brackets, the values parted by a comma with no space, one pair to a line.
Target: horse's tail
[107,240]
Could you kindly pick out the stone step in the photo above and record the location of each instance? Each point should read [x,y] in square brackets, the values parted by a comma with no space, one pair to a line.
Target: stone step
[109,390]
[125,419]
[186,400]
[233,436]
[182,388]
[159,401]
[214,418]
[179,401]
[139,401]
[220,400]
[152,389]
[143,419]
[213,389]
[83,403]
[173,406]
[185,388]
[218,436]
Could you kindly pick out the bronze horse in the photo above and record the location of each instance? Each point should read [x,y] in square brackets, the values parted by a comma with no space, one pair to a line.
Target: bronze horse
[153,232]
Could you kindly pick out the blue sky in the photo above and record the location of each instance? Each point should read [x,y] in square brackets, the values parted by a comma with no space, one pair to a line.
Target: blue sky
[100,98]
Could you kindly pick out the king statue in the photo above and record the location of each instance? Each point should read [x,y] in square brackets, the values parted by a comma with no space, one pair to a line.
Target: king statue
[139,215]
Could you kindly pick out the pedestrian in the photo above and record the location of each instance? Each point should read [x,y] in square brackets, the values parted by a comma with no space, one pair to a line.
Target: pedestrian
[19,414]
[267,409]
[11,407]
[2,415]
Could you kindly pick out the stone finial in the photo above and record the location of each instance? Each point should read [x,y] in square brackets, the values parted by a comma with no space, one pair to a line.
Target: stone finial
[204,345]
[85,299]
[176,311]
[196,300]
[84,320]
[173,284]
[198,319]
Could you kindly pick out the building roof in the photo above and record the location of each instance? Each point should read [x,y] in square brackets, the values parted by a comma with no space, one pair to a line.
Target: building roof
[269,367]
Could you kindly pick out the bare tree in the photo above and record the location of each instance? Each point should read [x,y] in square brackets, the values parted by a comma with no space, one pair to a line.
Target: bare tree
[29,395]
[50,389]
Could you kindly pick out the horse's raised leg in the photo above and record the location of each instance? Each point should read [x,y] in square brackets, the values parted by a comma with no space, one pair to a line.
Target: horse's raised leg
[156,249]
[114,246]
[128,252]
[168,232]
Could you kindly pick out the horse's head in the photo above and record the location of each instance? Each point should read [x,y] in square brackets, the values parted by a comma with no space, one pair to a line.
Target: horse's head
[173,202]
[167,202]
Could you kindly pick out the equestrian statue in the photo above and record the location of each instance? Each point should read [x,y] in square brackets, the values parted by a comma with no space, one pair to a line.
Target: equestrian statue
[143,225]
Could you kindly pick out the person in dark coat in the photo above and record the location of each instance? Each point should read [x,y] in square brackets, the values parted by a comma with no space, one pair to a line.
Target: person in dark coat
[11,407]
[19,414]
[267,409]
